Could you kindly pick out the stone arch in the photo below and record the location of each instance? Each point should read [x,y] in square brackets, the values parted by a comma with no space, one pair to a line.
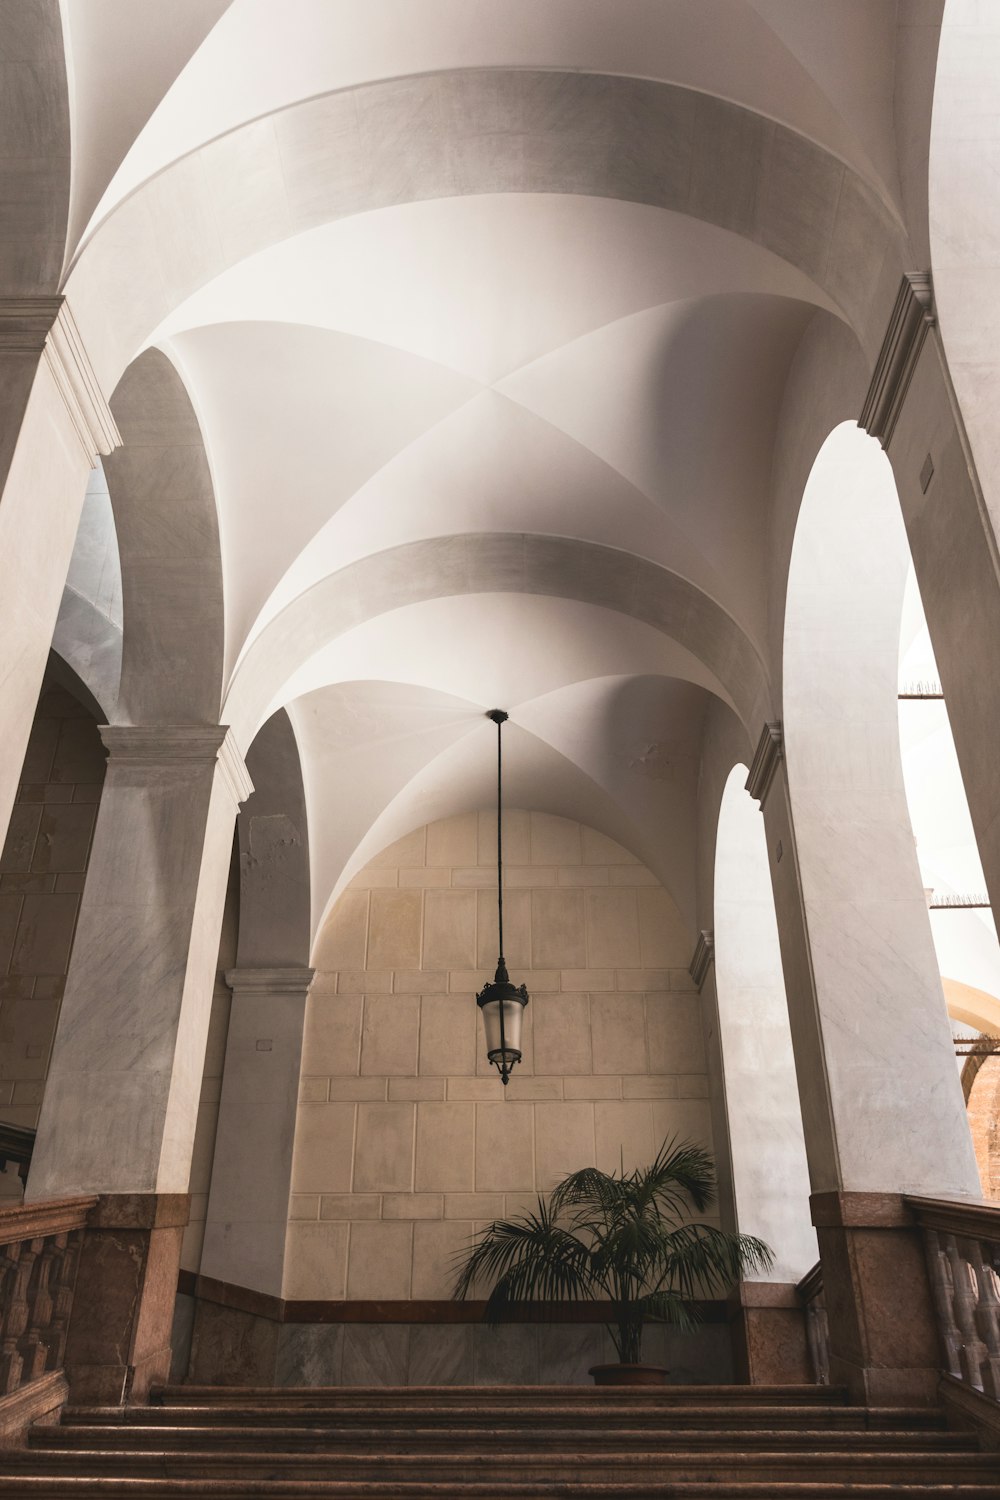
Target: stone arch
[161,490]
[870,960]
[585,133]
[35,132]
[561,567]
[273,834]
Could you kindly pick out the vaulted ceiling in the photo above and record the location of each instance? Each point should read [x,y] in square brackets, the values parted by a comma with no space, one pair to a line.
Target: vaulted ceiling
[486,309]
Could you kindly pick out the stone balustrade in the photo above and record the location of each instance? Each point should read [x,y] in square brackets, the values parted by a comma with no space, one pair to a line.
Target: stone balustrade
[39,1253]
[963,1254]
[810,1291]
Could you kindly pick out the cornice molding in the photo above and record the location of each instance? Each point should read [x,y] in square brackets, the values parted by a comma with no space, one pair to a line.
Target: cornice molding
[770,750]
[45,327]
[911,320]
[703,958]
[180,745]
[292,981]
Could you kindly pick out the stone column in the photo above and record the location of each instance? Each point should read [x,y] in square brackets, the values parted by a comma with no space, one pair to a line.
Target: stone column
[911,409]
[55,421]
[247,1217]
[122,1093]
[882,1107]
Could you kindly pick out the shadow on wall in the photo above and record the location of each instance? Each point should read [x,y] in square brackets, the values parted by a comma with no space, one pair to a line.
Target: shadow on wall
[42,872]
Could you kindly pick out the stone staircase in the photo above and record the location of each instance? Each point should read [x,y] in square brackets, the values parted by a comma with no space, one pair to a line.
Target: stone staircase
[766,1442]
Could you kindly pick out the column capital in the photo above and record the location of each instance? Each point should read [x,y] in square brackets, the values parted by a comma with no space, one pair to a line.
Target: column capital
[179,745]
[911,319]
[292,980]
[770,750]
[45,327]
[702,958]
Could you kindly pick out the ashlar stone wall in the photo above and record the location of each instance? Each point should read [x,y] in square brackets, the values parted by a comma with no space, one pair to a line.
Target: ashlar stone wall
[406,1140]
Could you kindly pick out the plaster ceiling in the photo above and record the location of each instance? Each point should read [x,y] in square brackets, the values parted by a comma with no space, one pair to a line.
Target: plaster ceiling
[385,376]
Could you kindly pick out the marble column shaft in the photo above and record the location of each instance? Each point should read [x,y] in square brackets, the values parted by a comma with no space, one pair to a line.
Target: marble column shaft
[55,421]
[882,1106]
[248,1202]
[122,1093]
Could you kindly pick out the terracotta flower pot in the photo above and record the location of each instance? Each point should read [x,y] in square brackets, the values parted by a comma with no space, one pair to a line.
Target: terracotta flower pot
[620,1374]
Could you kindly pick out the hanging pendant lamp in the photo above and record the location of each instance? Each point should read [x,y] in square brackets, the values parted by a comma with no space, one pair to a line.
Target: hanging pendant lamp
[501,1003]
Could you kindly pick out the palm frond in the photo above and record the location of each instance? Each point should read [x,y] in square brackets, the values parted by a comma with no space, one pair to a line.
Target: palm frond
[623,1236]
[698,1259]
[528,1258]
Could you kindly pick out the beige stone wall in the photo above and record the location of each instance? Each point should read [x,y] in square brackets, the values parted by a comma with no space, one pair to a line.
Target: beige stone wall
[406,1141]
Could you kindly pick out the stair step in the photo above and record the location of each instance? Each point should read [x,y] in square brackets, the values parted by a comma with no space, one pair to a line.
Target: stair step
[452,1469]
[23,1487]
[485,1395]
[132,1437]
[501,1443]
[510,1415]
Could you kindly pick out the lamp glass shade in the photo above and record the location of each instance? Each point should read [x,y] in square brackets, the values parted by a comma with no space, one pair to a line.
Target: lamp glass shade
[513,1013]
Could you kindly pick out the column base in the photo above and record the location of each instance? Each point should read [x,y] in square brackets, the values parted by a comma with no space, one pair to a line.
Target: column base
[883,1334]
[768,1326]
[118,1343]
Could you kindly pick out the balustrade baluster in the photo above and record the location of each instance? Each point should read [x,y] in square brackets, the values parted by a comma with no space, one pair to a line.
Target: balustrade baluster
[987,1317]
[18,1261]
[971,1351]
[942,1287]
[66,1251]
[32,1353]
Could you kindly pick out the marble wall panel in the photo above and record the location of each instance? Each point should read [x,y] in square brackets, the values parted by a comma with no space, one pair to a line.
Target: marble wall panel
[504,1147]
[516,928]
[380,1260]
[554,841]
[564,1140]
[516,837]
[618,1031]
[316,1260]
[446,1137]
[324,1148]
[623,1134]
[612,928]
[674,1033]
[342,943]
[562,1038]
[438,1246]
[449,1035]
[663,941]
[453,841]
[390,1035]
[332,1040]
[558,929]
[394,929]
[449,929]
[384,1148]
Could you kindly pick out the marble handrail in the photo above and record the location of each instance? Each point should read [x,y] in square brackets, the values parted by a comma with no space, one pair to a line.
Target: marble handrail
[810,1291]
[39,1252]
[962,1242]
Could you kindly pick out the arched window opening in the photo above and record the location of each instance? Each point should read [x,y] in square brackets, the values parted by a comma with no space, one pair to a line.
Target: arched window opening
[962,922]
[767,1151]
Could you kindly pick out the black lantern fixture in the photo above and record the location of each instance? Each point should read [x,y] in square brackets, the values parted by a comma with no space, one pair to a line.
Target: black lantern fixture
[501,1003]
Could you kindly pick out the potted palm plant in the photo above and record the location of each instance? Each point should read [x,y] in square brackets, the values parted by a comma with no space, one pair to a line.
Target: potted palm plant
[627,1239]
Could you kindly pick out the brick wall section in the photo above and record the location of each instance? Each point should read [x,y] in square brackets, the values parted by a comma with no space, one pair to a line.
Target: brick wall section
[984,1122]
[406,1141]
[42,871]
